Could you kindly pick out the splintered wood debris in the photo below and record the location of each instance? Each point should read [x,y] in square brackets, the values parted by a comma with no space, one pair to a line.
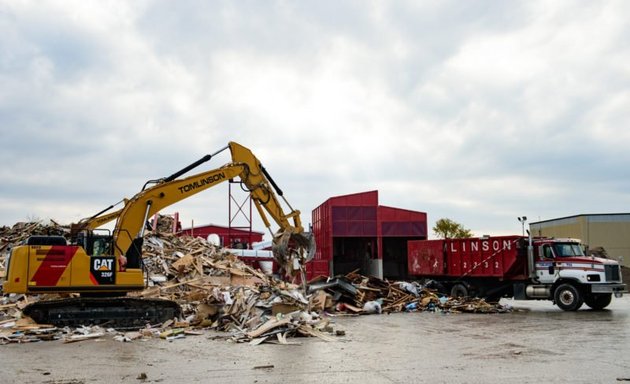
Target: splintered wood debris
[219,292]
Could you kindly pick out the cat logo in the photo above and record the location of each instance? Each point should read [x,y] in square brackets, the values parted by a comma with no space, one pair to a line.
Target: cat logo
[103,264]
[102,270]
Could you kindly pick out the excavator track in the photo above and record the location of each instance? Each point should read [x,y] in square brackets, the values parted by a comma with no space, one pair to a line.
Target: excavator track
[114,312]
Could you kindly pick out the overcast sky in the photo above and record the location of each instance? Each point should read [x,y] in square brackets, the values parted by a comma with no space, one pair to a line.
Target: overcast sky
[479,111]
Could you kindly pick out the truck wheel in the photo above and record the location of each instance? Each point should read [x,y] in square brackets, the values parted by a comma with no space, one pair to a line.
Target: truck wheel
[568,297]
[459,290]
[598,301]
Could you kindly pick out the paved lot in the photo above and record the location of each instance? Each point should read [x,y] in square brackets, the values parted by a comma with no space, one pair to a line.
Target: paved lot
[535,344]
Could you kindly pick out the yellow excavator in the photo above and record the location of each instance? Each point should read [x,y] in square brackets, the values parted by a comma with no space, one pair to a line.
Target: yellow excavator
[103,266]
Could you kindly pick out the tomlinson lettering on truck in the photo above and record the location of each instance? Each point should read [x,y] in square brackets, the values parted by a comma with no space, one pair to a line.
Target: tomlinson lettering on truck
[200,183]
[485,245]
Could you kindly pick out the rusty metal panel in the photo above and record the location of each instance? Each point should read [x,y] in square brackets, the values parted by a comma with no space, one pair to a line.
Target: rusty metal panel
[425,257]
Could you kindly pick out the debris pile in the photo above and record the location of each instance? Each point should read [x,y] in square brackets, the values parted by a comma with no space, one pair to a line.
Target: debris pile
[165,223]
[217,291]
[11,236]
[355,293]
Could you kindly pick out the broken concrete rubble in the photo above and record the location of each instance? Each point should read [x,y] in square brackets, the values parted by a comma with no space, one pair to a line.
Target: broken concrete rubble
[217,291]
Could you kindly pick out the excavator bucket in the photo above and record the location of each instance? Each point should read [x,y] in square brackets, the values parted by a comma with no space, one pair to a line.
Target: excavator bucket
[293,250]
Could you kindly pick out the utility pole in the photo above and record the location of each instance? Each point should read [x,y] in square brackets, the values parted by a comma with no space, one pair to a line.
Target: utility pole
[522,220]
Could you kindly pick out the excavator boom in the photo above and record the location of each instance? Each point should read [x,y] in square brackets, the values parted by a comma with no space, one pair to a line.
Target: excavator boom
[292,246]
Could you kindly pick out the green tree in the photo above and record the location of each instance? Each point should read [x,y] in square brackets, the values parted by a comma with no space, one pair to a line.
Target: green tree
[449,229]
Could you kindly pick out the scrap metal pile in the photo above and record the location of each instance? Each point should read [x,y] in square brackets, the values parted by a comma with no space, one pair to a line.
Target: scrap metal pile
[217,291]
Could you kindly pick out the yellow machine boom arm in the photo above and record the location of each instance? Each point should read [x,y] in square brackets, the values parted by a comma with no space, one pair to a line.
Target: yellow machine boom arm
[290,241]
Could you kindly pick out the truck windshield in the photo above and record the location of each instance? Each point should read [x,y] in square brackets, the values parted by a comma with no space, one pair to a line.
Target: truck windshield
[568,250]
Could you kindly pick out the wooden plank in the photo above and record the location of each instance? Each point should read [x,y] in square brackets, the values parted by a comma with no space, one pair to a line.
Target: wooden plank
[76,338]
[308,330]
[266,327]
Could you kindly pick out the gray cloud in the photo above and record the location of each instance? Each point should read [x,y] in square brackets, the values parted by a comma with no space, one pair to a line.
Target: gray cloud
[475,111]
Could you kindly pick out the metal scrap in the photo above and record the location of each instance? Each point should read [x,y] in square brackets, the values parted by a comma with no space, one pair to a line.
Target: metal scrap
[401,297]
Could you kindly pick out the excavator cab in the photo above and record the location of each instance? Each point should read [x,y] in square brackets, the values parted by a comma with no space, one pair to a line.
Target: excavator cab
[95,243]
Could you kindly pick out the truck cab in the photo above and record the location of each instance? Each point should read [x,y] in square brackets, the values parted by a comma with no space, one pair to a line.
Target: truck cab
[572,277]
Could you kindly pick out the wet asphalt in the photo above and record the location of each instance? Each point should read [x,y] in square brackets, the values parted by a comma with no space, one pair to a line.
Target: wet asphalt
[536,343]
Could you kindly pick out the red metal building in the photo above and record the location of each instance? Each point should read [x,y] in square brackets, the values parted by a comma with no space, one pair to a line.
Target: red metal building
[230,237]
[355,232]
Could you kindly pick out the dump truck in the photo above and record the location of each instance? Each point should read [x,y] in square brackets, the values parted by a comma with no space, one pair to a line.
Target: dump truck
[521,267]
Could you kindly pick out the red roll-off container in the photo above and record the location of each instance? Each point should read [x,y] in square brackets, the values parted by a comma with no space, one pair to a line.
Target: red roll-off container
[498,257]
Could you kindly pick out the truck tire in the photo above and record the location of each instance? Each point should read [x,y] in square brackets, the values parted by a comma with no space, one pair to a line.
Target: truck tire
[598,301]
[459,290]
[568,297]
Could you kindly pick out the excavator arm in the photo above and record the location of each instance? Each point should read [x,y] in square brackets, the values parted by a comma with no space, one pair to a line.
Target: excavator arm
[292,246]
[98,220]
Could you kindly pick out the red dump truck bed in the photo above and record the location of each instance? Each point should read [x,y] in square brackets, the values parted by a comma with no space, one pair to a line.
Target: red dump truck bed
[503,257]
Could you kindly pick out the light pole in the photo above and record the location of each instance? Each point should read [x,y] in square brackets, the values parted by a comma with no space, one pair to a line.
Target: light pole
[522,219]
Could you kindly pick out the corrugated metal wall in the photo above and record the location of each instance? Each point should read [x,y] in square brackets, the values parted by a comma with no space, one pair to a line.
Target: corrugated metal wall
[363,224]
[352,215]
